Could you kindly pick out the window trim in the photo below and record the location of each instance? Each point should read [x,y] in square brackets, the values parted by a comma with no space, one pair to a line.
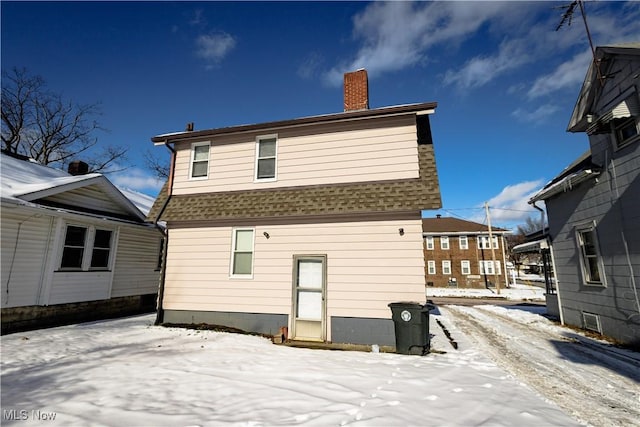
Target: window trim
[234,235]
[462,267]
[430,270]
[496,269]
[618,125]
[429,243]
[466,242]
[88,248]
[192,160]
[259,139]
[444,241]
[446,264]
[592,228]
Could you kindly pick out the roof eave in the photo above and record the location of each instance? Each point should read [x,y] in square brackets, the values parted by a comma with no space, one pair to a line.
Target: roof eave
[422,108]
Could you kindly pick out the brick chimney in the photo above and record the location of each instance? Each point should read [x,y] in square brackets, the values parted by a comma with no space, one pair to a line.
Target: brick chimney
[356,90]
[78,167]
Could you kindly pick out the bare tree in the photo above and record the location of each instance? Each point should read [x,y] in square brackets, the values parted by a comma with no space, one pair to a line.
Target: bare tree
[159,167]
[51,130]
[531,225]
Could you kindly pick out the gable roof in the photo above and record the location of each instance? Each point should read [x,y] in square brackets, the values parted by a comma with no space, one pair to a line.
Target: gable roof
[443,225]
[27,182]
[583,112]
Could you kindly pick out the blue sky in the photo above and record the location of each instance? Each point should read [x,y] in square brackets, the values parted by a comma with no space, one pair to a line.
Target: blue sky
[505,81]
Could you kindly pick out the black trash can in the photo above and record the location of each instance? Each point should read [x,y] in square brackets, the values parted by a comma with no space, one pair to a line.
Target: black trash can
[411,324]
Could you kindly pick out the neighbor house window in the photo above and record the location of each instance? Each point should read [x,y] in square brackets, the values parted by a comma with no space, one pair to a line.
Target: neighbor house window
[626,131]
[199,160]
[101,249]
[242,257]
[486,267]
[444,243]
[431,267]
[86,248]
[446,267]
[266,157]
[465,267]
[589,255]
[483,242]
[75,241]
[429,242]
[464,242]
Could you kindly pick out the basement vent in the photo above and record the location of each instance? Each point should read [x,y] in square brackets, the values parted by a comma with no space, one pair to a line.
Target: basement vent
[591,322]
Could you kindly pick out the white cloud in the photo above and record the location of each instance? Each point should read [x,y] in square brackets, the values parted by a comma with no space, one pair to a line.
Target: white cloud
[396,35]
[569,74]
[138,180]
[536,116]
[214,47]
[510,206]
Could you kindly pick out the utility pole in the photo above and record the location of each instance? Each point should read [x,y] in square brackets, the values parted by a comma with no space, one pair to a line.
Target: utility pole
[493,251]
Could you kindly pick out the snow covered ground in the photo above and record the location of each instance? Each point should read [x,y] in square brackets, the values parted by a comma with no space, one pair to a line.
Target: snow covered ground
[520,292]
[512,366]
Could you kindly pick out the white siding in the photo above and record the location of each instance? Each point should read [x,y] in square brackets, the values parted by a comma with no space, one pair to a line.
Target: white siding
[135,270]
[23,260]
[368,266]
[77,286]
[320,154]
[90,197]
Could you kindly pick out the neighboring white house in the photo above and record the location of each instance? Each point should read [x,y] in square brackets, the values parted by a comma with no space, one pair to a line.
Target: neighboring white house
[74,247]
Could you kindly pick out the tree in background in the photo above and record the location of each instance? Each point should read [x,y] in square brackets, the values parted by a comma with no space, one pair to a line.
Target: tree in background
[40,124]
[530,226]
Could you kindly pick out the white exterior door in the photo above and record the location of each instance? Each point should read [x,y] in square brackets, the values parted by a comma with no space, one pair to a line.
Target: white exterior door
[309,283]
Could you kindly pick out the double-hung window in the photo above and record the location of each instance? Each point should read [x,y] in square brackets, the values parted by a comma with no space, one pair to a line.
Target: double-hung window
[484,242]
[464,242]
[429,242]
[199,168]
[626,131]
[465,267]
[242,253]
[487,267]
[589,255]
[86,248]
[431,267]
[446,267]
[266,158]
[444,243]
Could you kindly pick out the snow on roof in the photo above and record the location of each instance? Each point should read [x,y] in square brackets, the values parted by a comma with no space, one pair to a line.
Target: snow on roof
[22,177]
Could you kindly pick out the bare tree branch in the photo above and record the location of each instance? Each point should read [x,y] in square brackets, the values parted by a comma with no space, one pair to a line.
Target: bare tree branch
[49,129]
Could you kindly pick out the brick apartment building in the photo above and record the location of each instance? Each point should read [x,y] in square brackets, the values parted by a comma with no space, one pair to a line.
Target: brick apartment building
[459,253]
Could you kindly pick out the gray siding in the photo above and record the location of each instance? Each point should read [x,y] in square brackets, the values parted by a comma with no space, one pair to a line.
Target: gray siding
[612,201]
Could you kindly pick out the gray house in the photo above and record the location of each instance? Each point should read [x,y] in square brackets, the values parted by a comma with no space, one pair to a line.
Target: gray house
[593,206]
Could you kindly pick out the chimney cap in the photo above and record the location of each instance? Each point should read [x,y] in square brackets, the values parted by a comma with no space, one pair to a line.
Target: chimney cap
[78,167]
[438,216]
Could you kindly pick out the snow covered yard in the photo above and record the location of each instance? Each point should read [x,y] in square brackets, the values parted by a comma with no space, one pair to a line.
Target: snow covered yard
[128,372]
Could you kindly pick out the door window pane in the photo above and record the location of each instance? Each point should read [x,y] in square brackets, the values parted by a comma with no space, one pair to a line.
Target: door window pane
[310,274]
[309,305]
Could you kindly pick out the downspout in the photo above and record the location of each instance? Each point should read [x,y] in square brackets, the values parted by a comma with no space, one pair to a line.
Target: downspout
[165,233]
[553,263]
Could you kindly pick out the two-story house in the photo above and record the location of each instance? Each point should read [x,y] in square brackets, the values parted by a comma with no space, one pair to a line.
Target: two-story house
[460,253]
[311,224]
[593,206]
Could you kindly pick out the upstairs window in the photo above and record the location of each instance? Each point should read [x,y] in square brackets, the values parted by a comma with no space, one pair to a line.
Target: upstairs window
[429,242]
[199,160]
[483,242]
[464,242]
[590,259]
[266,158]
[626,131]
[444,243]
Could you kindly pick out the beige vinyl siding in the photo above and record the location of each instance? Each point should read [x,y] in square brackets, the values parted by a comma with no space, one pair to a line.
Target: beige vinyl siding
[135,269]
[23,261]
[90,197]
[320,154]
[368,266]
